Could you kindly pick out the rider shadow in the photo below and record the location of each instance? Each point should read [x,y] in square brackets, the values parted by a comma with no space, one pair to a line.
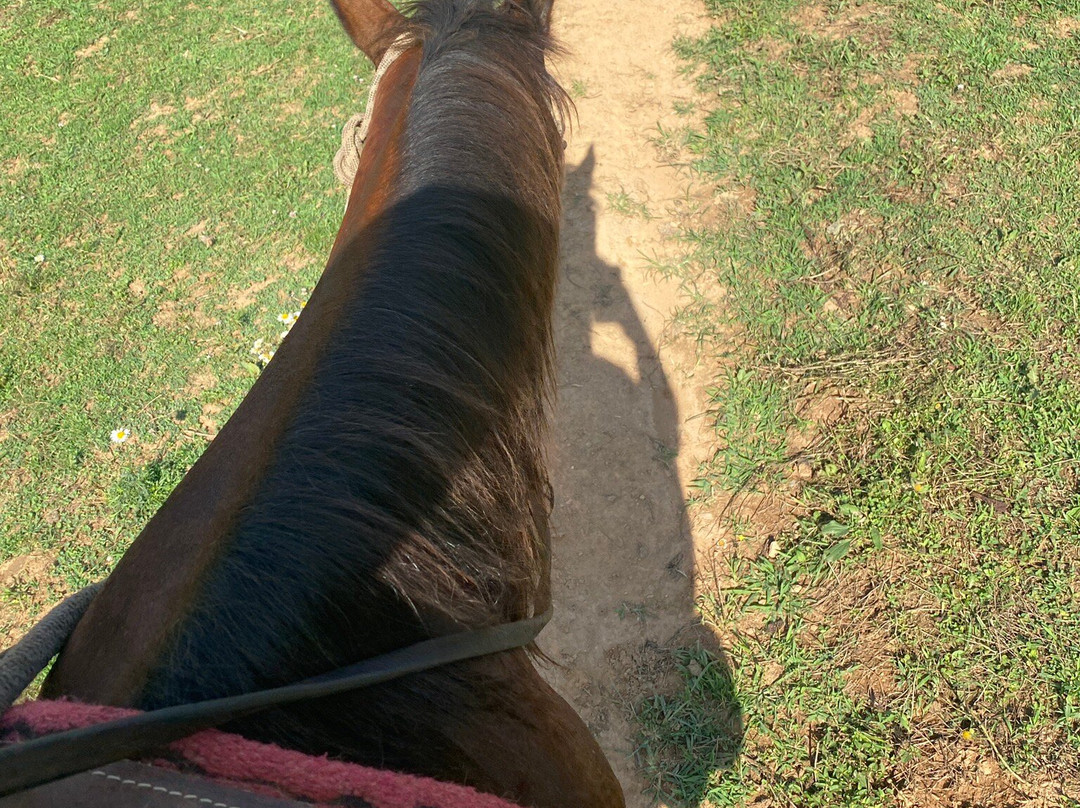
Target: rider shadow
[626,631]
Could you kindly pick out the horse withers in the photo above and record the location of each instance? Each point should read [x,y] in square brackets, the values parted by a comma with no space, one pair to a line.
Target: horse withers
[383,482]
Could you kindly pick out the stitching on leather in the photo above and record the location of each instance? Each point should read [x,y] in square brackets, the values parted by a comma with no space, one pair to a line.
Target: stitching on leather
[126,782]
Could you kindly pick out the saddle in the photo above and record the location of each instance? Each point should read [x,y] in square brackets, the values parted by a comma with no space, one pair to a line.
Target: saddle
[215,769]
[138,785]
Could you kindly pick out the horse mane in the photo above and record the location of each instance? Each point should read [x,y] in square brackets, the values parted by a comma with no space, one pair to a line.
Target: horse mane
[408,498]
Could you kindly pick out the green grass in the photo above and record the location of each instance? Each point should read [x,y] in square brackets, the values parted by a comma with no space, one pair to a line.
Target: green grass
[897,328]
[171,166]
[627,205]
[690,735]
[578,89]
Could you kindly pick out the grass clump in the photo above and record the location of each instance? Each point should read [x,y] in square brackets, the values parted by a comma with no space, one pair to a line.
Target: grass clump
[687,738]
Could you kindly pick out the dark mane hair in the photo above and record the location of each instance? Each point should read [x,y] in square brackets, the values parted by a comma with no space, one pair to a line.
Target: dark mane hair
[408,497]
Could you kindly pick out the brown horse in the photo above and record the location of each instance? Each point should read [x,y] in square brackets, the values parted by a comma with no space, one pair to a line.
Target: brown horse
[383,483]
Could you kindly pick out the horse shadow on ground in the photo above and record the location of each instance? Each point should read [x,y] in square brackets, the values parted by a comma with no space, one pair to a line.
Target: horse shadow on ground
[634,658]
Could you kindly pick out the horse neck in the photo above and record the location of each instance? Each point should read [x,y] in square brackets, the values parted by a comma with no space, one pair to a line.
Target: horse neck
[480,544]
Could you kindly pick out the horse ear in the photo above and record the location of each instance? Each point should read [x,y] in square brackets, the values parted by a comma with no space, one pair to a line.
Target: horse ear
[541,12]
[370,24]
[538,11]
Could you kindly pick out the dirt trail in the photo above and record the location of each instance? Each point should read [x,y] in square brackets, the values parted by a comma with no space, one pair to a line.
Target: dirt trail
[622,449]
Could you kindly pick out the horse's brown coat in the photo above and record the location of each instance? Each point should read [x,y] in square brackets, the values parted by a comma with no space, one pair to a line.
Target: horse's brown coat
[498,726]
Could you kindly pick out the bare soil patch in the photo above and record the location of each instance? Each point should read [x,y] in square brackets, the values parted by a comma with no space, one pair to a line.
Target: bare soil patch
[865,21]
[30,583]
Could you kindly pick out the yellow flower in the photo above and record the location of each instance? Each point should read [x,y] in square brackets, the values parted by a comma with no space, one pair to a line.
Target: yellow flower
[967,735]
[119,435]
[920,487]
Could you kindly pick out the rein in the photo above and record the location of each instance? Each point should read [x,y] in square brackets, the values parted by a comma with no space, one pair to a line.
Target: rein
[42,760]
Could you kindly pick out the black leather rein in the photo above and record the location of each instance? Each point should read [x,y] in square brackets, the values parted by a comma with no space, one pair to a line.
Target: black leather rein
[42,760]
